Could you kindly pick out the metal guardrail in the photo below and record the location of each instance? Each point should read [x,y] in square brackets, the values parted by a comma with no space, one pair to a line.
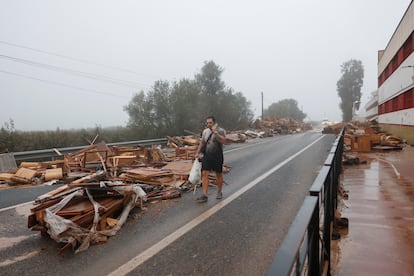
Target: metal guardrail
[291,256]
[52,153]
[306,249]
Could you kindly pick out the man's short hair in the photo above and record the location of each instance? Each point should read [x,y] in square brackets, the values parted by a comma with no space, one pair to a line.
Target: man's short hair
[212,118]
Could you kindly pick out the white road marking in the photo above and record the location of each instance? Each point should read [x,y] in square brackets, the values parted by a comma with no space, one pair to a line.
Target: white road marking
[20,258]
[6,242]
[248,146]
[16,206]
[153,250]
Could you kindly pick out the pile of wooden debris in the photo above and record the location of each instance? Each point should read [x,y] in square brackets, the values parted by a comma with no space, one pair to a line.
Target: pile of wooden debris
[80,214]
[360,139]
[101,185]
[270,126]
[365,137]
[370,138]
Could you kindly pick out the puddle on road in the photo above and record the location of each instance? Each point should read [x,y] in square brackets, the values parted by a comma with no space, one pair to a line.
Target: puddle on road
[20,258]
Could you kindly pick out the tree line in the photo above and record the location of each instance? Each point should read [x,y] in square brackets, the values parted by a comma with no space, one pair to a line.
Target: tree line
[167,109]
[176,108]
[12,140]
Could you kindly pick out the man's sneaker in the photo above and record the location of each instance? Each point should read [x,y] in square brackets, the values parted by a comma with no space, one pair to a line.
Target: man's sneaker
[202,199]
[219,195]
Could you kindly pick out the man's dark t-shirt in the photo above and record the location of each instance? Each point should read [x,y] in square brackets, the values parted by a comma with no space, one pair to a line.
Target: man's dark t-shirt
[213,158]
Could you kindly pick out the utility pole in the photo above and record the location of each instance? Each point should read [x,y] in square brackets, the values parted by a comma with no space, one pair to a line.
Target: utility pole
[262,105]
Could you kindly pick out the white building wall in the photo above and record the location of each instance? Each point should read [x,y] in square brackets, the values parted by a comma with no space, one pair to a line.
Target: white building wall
[404,29]
[402,117]
[398,82]
[371,107]
[371,112]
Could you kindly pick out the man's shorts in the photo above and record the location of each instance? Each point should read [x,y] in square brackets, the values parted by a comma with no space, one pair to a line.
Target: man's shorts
[212,164]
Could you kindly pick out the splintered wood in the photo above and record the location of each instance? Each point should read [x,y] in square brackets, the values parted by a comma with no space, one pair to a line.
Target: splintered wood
[367,138]
[23,175]
[86,213]
[53,174]
[101,185]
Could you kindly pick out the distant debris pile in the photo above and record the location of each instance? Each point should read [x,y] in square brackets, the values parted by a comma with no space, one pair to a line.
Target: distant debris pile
[271,126]
[366,138]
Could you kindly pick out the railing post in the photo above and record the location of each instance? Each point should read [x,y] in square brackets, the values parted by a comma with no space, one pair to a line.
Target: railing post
[327,226]
[314,248]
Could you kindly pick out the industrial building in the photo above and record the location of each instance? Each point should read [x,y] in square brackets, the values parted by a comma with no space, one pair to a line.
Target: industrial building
[396,80]
[371,107]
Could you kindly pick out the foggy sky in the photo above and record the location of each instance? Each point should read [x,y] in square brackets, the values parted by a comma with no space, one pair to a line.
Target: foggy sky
[285,49]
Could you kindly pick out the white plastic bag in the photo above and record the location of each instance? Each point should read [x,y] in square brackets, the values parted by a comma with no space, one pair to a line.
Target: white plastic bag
[195,173]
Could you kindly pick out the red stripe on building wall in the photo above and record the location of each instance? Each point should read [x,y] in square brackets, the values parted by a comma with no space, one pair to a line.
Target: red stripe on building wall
[402,101]
[405,50]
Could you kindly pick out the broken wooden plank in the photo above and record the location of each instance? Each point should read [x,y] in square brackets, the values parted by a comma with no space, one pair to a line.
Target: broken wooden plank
[6,176]
[148,172]
[180,167]
[25,173]
[53,174]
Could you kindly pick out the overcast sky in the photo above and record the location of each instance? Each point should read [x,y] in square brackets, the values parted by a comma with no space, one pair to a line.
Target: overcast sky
[76,64]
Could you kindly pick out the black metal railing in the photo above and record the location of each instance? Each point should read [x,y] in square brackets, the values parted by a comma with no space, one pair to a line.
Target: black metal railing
[306,249]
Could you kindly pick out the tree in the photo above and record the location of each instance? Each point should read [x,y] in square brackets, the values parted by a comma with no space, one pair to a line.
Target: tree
[170,109]
[232,109]
[349,87]
[151,115]
[287,108]
[209,80]
[7,136]
[187,106]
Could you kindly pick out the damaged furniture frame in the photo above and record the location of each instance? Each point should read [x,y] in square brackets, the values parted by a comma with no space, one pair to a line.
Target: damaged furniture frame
[93,159]
[306,249]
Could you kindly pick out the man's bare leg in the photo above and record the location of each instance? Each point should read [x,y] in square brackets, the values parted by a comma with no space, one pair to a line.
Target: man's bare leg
[204,181]
[219,177]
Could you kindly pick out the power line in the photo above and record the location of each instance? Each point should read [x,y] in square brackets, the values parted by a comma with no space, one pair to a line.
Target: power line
[63,84]
[74,72]
[75,59]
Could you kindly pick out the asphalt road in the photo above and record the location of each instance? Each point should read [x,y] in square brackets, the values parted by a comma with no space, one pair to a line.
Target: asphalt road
[237,235]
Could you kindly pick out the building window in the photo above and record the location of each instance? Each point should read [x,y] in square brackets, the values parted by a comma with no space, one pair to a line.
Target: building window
[394,104]
[408,46]
[406,49]
[408,99]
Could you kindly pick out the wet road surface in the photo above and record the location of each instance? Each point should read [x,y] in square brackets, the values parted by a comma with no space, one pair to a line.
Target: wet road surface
[380,209]
[240,239]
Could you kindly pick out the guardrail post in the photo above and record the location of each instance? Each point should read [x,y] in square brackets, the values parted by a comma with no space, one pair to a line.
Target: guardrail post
[314,248]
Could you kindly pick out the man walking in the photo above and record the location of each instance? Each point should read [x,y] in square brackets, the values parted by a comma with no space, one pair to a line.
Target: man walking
[211,148]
